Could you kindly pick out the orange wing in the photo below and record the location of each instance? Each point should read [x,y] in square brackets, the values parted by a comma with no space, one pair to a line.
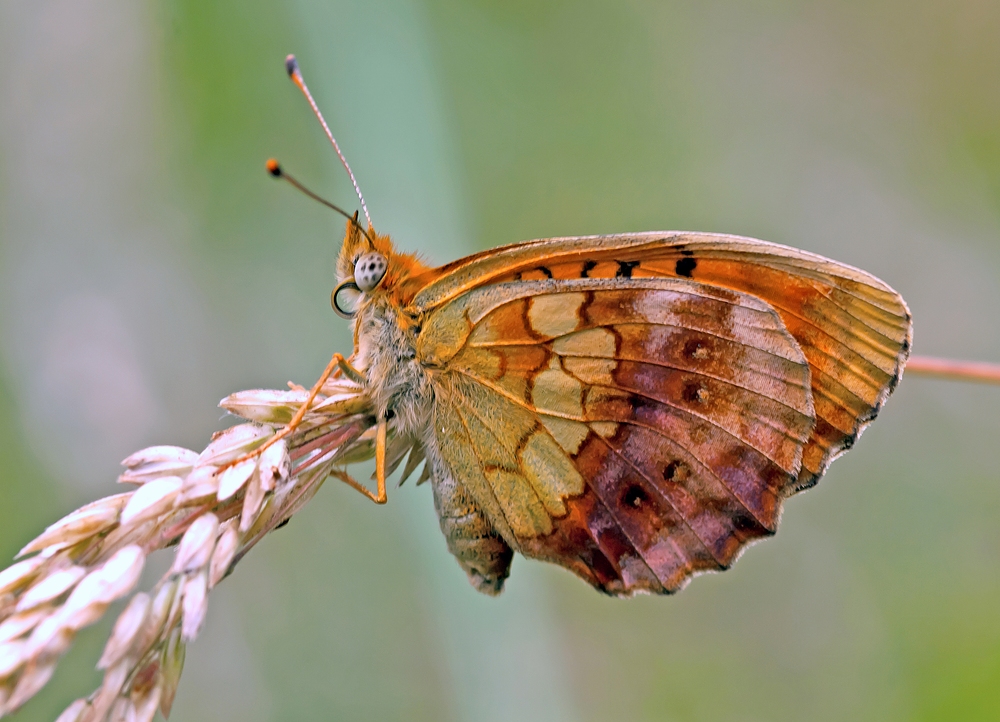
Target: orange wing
[635,408]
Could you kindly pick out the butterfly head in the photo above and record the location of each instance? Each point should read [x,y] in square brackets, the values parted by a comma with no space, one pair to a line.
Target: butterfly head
[368,265]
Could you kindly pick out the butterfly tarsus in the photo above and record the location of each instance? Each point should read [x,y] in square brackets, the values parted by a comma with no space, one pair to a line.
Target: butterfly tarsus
[381,497]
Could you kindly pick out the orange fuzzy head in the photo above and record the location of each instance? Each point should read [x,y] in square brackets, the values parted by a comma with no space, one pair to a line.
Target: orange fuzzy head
[371,264]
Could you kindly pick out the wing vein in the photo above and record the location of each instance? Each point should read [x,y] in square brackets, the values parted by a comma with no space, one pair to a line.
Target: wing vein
[632,422]
[681,411]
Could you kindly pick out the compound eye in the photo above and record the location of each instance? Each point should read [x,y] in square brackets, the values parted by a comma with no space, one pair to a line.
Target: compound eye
[369,270]
[345,299]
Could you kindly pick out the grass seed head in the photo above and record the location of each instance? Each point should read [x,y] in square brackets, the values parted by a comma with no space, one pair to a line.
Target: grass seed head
[212,509]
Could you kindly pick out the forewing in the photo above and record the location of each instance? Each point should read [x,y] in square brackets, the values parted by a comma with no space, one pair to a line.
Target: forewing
[634,430]
[853,329]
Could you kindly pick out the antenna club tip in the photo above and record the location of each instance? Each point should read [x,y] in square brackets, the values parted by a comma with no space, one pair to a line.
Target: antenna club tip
[291,65]
[273,167]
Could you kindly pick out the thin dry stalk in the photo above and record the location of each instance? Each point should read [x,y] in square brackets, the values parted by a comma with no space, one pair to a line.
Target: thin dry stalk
[977,371]
[211,510]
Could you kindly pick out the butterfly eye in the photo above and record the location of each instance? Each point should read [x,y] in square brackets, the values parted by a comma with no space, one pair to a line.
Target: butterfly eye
[369,270]
[345,299]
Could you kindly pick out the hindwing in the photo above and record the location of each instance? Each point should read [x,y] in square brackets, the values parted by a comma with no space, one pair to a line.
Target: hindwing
[634,430]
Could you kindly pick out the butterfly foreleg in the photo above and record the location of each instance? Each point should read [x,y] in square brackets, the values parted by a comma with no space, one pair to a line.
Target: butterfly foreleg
[344,366]
[337,362]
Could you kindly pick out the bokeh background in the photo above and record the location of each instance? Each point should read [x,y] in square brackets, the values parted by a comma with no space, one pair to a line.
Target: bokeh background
[148,267]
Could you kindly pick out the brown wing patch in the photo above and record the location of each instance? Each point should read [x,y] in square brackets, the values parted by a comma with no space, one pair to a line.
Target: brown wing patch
[853,330]
[590,542]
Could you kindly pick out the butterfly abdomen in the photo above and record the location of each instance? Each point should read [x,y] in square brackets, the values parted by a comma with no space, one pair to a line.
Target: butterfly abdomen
[481,552]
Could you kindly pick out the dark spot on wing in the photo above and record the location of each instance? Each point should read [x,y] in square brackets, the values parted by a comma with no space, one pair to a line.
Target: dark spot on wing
[695,393]
[696,349]
[685,266]
[634,497]
[588,266]
[625,269]
[676,472]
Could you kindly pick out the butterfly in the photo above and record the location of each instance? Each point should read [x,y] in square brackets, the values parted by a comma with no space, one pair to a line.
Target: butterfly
[634,408]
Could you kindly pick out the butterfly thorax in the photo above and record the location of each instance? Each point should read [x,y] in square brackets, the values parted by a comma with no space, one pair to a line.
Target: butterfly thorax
[398,385]
[385,335]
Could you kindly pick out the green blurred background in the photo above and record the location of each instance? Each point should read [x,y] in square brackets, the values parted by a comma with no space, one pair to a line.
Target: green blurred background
[148,267]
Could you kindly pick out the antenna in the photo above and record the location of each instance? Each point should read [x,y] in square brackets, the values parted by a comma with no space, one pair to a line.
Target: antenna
[292,66]
[275,169]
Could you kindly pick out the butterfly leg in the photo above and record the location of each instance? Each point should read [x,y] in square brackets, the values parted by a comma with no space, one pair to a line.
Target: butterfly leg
[381,434]
[337,363]
[344,367]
